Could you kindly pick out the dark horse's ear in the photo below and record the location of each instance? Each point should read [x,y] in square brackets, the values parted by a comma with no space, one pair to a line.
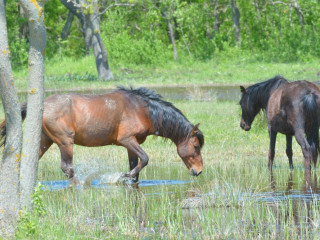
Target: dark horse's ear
[242,89]
[195,129]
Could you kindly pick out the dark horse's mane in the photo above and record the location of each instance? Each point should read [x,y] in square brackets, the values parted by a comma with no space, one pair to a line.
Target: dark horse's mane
[168,121]
[260,92]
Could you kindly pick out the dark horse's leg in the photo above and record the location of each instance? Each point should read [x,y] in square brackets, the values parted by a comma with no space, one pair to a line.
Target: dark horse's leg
[289,150]
[273,136]
[133,162]
[306,148]
[133,146]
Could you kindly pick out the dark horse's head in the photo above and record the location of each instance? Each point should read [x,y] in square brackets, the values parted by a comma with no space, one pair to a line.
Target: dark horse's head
[170,123]
[255,98]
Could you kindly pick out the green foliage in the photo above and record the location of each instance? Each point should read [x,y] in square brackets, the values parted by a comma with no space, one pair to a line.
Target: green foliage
[27,225]
[137,32]
[18,44]
[28,221]
[37,201]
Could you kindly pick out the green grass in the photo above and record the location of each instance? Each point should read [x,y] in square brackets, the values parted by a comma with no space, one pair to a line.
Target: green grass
[224,199]
[68,73]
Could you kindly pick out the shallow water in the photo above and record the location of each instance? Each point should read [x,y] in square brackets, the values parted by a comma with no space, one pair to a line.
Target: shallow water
[99,177]
[203,93]
[63,184]
[305,191]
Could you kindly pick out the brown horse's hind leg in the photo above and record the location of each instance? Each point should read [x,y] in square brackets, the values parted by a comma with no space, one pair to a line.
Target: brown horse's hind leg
[133,162]
[289,150]
[273,136]
[66,151]
[133,146]
[45,144]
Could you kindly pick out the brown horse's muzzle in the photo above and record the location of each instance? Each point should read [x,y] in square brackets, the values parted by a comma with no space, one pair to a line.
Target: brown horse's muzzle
[194,172]
[196,168]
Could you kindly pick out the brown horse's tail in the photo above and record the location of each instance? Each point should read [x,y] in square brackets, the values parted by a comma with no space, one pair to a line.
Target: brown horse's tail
[311,110]
[3,132]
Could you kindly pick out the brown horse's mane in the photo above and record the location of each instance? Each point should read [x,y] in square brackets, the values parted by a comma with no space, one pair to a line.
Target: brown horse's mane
[168,121]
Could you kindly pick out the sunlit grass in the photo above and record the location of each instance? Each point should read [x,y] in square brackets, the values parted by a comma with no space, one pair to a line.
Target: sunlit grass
[68,73]
[222,203]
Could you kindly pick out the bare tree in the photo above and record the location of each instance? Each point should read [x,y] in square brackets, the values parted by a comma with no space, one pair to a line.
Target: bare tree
[10,164]
[33,123]
[236,21]
[88,15]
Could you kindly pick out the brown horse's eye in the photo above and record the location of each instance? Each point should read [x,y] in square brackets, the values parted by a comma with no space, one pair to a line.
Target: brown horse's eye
[197,147]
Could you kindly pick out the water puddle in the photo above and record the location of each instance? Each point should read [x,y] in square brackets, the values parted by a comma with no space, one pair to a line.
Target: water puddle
[103,178]
[63,184]
[283,196]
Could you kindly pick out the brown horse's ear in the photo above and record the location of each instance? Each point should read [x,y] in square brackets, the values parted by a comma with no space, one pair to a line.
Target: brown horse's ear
[242,89]
[195,129]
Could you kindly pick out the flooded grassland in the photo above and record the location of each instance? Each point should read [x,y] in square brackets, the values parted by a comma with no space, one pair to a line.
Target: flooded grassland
[235,197]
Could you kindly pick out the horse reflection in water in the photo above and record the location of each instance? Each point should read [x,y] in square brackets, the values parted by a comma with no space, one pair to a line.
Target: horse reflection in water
[302,202]
[124,117]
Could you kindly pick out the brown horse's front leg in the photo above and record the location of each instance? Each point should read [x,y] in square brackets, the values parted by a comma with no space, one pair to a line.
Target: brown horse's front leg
[133,146]
[273,136]
[66,162]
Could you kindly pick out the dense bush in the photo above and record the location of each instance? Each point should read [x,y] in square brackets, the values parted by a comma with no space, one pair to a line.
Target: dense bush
[138,34]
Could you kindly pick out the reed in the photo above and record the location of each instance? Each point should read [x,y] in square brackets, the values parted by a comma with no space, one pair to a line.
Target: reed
[234,198]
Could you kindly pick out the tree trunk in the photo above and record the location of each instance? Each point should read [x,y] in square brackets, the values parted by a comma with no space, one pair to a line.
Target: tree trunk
[93,37]
[66,29]
[33,123]
[10,164]
[279,16]
[236,21]
[23,31]
[171,34]
[299,12]
[216,14]
[90,23]
[256,4]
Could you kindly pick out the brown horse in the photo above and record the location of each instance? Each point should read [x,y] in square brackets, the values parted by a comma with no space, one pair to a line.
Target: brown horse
[124,117]
[293,108]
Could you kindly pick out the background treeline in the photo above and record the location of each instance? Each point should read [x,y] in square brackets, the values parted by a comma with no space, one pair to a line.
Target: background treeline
[155,32]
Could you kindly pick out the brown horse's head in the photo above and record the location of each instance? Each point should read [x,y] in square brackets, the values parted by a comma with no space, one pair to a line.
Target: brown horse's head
[190,151]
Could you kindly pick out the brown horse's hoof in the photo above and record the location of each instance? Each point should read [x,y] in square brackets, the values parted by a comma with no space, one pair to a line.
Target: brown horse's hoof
[126,179]
[74,181]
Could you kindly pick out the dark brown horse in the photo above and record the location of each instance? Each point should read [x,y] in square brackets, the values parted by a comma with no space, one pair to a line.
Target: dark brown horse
[125,118]
[293,108]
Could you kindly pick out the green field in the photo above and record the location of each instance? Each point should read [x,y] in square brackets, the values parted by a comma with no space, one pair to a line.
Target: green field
[234,198]
[81,74]
[219,45]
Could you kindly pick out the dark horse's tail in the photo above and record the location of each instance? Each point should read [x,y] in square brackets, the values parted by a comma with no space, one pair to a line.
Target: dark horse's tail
[23,108]
[310,107]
